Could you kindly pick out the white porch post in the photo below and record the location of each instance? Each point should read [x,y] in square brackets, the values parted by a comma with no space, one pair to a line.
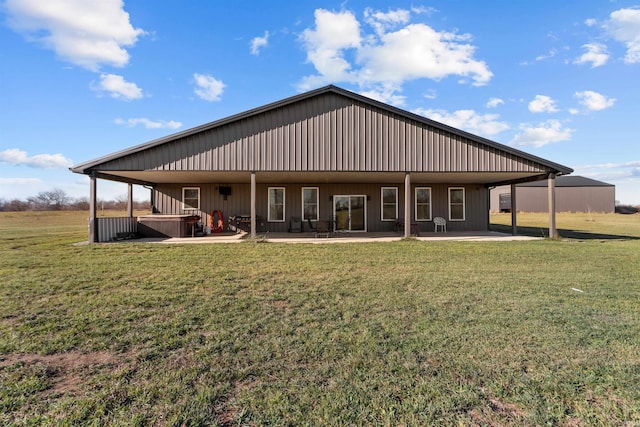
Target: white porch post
[93,222]
[130,200]
[514,223]
[407,204]
[553,233]
[253,204]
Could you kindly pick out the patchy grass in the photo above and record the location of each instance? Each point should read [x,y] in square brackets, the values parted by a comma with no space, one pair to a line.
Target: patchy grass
[572,225]
[402,333]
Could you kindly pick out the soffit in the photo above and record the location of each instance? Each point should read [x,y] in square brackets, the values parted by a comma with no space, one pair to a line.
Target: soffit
[202,177]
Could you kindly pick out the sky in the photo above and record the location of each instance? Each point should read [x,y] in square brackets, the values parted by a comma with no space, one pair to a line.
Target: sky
[80,79]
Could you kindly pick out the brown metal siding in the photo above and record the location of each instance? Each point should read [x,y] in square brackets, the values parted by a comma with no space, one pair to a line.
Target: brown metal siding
[168,201]
[325,133]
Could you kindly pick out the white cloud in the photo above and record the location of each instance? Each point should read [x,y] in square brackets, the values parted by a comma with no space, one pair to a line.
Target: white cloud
[542,104]
[550,54]
[594,101]
[258,43]
[17,157]
[431,94]
[395,51]
[480,124]
[542,134]
[418,51]
[423,10]
[20,181]
[596,54]
[494,102]
[208,87]
[590,22]
[631,164]
[386,93]
[382,22]
[149,124]
[334,33]
[86,33]
[624,26]
[118,87]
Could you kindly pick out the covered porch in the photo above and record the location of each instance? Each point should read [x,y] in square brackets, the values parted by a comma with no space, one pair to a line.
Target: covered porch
[192,223]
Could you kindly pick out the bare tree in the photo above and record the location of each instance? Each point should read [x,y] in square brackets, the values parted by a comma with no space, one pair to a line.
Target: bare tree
[55,200]
[121,202]
[14,205]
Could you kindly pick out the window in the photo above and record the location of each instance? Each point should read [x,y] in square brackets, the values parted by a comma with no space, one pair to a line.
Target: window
[389,203]
[310,203]
[456,204]
[190,198]
[423,204]
[276,204]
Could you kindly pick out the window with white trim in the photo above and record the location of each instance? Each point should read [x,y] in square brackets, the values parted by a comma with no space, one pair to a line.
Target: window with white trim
[276,204]
[310,203]
[456,204]
[190,198]
[423,203]
[389,210]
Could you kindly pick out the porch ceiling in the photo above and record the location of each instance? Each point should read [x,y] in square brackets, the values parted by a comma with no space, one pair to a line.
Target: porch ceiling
[205,177]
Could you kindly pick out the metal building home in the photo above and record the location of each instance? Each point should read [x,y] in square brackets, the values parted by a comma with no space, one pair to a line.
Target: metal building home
[327,153]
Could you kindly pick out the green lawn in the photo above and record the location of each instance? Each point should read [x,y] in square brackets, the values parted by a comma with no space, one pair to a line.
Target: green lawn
[399,333]
[576,225]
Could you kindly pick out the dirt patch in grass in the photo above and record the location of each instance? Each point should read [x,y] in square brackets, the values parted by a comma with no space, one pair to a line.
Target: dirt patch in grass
[65,369]
[498,413]
[280,303]
[227,411]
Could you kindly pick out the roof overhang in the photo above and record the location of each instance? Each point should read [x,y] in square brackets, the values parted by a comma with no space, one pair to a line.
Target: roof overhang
[152,178]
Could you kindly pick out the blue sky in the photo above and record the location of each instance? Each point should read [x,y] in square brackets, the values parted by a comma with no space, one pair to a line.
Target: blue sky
[80,79]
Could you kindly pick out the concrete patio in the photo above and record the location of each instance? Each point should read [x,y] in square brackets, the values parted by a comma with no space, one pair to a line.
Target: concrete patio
[306,237]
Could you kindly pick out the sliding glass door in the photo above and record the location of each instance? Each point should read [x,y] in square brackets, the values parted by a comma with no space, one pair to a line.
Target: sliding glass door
[350,212]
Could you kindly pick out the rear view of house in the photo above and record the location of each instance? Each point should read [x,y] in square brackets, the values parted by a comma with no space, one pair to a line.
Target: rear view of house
[328,153]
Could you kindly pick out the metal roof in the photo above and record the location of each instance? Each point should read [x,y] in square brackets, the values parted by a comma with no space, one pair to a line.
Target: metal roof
[569,181]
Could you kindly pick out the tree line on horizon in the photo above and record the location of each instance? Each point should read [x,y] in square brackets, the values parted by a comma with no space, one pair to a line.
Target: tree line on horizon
[59,200]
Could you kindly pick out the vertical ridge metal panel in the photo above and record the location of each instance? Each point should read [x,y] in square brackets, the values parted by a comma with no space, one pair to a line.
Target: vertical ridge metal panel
[108,228]
[325,133]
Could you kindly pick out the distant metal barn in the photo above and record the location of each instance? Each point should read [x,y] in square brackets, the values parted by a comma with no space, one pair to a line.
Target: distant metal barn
[574,194]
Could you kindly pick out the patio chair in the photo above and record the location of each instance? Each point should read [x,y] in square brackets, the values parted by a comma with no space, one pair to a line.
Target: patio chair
[312,227]
[441,223]
[295,225]
[323,228]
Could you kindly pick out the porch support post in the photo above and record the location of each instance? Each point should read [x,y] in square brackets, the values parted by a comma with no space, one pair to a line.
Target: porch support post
[551,184]
[407,204]
[514,208]
[93,222]
[130,200]
[253,204]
